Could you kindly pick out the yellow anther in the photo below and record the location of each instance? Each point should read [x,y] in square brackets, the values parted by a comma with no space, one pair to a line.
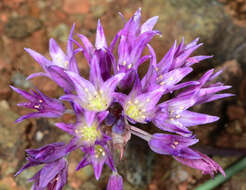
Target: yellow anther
[162,83]
[37,106]
[171,78]
[136,101]
[66,64]
[160,77]
[181,107]
[40,101]
[148,100]
[129,66]
[178,116]
[99,151]
[176,143]
[173,146]
[124,63]
[86,90]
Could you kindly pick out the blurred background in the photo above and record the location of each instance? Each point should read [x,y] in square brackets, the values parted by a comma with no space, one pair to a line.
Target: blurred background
[221,26]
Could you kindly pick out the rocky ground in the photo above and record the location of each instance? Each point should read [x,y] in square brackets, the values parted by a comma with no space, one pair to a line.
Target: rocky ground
[30,23]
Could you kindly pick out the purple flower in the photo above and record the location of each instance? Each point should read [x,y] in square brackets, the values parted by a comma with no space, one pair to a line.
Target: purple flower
[87,130]
[45,106]
[96,94]
[59,58]
[46,154]
[60,62]
[97,155]
[140,107]
[173,116]
[173,145]
[115,182]
[206,164]
[133,39]
[53,176]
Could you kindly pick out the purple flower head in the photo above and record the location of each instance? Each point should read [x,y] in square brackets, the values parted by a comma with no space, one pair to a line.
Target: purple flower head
[45,106]
[53,176]
[115,182]
[114,102]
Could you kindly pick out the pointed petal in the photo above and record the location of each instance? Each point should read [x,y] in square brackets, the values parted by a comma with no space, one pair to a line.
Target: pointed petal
[70,42]
[38,115]
[101,42]
[56,53]
[167,61]
[37,75]
[60,77]
[49,171]
[43,61]
[88,47]
[110,84]
[69,128]
[174,76]
[196,59]
[149,24]
[84,162]
[98,166]
[189,118]
[23,93]
[95,71]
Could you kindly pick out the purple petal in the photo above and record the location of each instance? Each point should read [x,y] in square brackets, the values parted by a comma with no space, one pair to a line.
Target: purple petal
[98,165]
[69,128]
[110,84]
[50,171]
[189,118]
[37,75]
[149,24]
[70,43]
[84,162]
[43,61]
[196,59]
[101,42]
[23,93]
[115,182]
[60,77]
[38,115]
[95,71]
[56,53]
[88,47]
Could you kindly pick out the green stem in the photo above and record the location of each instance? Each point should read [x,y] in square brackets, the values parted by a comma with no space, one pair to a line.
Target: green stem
[219,179]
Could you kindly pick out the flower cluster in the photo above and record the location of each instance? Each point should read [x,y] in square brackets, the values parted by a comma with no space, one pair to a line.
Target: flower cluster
[115,98]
